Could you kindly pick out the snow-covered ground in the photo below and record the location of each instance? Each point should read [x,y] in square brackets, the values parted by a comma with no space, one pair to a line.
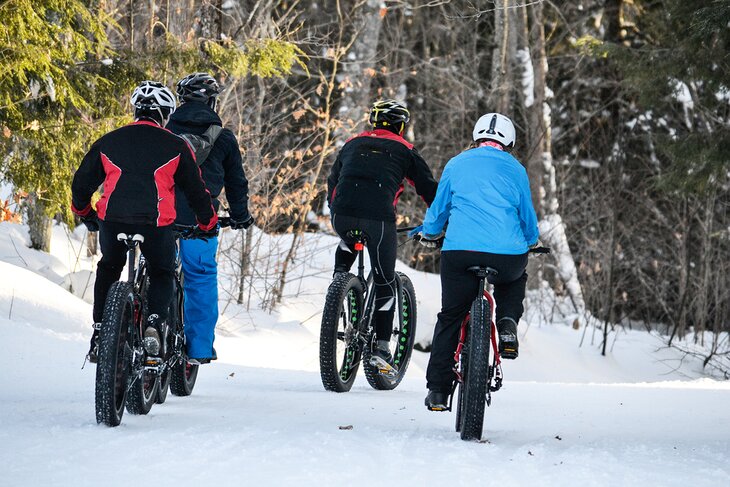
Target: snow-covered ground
[259,416]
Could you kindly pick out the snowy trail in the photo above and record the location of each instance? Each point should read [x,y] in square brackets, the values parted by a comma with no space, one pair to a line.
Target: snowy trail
[259,416]
[259,426]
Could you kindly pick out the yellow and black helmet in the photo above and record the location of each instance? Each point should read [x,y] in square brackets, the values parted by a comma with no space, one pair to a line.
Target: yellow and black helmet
[389,113]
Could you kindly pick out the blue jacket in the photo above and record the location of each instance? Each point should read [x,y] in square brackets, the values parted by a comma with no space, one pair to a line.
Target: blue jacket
[484,194]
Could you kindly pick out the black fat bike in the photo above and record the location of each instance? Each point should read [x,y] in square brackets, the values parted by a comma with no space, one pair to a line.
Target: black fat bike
[347,335]
[476,377]
[125,375]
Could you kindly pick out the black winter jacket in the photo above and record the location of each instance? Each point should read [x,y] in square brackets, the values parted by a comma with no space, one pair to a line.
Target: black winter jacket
[367,177]
[222,168]
[141,166]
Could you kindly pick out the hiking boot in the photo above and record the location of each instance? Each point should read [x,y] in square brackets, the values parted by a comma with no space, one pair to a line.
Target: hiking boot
[203,361]
[383,360]
[437,401]
[508,344]
[153,336]
[93,355]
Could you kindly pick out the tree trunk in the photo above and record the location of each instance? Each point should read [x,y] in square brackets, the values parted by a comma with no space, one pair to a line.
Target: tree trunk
[542,171]
[504,53]
[39,224]
[357,71]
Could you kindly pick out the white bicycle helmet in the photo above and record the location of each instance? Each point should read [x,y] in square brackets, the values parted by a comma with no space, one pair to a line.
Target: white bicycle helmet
[497,127]
[150,97]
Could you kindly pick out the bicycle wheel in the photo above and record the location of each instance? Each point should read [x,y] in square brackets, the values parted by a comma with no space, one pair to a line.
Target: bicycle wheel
[339,349]
[475,378]
[115,354]
[183,374]
[173,319]
[402,339]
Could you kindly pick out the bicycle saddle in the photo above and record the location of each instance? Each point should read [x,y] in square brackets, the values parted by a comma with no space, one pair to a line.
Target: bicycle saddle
[483,271]
[122,237]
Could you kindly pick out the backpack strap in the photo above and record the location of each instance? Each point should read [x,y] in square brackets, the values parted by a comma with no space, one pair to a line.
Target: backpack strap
[203,144]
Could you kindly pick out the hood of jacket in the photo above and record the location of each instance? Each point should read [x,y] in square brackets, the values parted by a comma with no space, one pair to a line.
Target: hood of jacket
[194,114]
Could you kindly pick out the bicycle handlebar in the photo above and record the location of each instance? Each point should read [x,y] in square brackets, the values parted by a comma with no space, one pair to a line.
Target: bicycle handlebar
[540,250]
[186,232]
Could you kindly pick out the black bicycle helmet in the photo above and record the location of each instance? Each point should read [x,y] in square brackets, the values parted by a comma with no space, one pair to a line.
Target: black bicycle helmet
[389,114]
[152,99]
[198,87]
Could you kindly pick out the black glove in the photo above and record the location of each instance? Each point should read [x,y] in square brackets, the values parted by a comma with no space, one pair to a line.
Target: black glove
[205,234]
[242,224]
[91,220]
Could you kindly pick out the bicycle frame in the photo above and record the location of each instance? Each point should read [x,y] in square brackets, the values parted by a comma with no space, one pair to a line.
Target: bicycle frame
[495,370]
[366,327]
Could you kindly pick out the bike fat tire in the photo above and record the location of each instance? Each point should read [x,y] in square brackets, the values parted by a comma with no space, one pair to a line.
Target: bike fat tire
[401,343]
[115,354]
[173,319]
[338,339]
[475,378]
[183,374]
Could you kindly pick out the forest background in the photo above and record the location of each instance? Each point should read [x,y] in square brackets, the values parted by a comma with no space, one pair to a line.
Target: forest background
[622,109]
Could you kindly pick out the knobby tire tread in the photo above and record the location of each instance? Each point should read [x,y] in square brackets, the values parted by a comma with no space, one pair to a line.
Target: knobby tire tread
[183,374]
[336,294]
[111,383]
[374,377]
[475,392]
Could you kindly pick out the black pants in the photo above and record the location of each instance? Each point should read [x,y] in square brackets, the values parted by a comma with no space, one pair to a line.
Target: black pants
[382,245]
[159,251]
[459,287]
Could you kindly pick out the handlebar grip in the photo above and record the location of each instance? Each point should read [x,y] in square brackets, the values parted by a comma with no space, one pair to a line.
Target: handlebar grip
[540,250]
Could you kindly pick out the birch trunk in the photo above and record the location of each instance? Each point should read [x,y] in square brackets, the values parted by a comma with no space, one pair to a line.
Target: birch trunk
[542,170]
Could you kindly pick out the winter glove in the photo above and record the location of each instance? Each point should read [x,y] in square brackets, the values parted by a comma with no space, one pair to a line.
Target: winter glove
[91,221]
[536,244]
[204,235]
[431,241]
[415,231]
[242,224]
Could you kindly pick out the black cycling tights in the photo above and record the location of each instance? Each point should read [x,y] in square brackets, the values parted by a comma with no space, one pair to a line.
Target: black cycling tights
[159,251]
[382,246]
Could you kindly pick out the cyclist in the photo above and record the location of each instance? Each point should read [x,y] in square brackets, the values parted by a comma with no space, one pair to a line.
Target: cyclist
[363,189]
[484,194]
[222,168]
[140,165]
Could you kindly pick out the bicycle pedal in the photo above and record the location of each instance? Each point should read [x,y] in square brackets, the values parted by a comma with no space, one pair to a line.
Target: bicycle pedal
[153,361]
[508,353]
[384,368]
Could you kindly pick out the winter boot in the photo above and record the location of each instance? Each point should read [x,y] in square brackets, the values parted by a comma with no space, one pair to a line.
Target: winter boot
[383,360]
[154,336]
[508,344]
[437,401]
[93,355]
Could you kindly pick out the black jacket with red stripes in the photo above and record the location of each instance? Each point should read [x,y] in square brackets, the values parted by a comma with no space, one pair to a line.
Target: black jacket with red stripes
[140,165]
[367,177]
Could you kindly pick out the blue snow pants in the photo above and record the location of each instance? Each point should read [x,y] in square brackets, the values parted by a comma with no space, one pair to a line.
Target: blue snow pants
[200,283]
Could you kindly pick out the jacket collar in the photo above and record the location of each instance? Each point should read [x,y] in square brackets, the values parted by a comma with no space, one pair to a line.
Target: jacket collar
[386,134]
